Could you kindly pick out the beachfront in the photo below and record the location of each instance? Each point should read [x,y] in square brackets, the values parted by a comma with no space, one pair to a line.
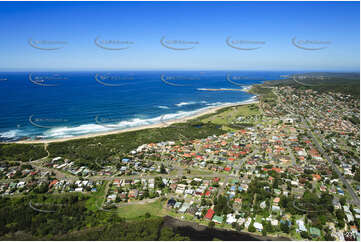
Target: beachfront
[204,111]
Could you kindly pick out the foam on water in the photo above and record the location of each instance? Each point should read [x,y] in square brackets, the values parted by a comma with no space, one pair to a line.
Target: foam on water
[79,99]
[181,104]
[64,132]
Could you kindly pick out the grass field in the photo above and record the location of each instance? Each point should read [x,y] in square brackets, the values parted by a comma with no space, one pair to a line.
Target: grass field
[96,198]
[195,171]
[137,210]
[225,118]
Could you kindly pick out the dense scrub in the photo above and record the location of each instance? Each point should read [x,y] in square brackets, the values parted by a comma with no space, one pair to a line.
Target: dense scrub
[142,229]
[346,83]
[265,94]
[22,152]
[68,213]
[66,217]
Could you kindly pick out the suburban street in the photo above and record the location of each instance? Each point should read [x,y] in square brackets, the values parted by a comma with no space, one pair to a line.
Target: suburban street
[356,199]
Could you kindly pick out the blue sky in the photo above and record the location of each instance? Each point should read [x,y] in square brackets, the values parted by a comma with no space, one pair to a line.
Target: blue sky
[208,23]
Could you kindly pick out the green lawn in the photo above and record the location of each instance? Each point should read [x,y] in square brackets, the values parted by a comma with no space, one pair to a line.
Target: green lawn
[96,198]
[201,172]
[136,210]
[258,219]
[226,117]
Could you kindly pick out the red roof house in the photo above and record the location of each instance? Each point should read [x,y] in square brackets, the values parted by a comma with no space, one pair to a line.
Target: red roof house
[53,182]
[227,168]
[209,214]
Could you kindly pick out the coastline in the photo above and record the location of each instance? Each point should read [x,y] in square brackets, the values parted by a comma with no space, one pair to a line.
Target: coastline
[209,110]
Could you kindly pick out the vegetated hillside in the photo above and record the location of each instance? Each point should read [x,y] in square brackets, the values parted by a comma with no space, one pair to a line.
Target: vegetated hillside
[70,219]
[137,230]
[17,216]
[347,83]
[337,75]
[21,152]
[350,87]
[265,94]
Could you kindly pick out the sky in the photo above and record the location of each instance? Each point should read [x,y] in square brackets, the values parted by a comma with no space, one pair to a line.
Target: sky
[180,36]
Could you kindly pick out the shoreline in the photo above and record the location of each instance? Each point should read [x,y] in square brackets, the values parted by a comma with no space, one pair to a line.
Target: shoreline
[204,111]
[156,125]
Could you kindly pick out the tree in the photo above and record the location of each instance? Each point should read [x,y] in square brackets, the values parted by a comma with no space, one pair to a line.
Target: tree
[158,182]
[43,188]
[304,234]
[341,224]
[353,168]
[323,219]
[328,237]
[211,224]
[251,228]
[342,201]
[285,228]
[283,201]
[162,169]
[357,176]
[204,212]
[221,205]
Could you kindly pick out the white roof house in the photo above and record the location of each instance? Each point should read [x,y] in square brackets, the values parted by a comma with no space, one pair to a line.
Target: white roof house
[180,188]
[248,222]
[177,205]
[21,184]
[349,217]
[56,158]
[230,218]
[263,204]
[184,208]
[275,208]
[79,189]
[189,191]
[258,226]
[240,221]
[274,222]
[346,209]
[301,226]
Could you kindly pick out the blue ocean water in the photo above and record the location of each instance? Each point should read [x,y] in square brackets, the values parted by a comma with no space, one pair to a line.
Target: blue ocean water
[48,105]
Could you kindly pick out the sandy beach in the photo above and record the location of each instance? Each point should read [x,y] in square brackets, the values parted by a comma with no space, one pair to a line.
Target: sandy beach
[158,125]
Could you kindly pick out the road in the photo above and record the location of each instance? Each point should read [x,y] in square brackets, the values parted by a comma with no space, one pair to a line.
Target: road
[293,158]
[356,199]
[237,167]
[61,175]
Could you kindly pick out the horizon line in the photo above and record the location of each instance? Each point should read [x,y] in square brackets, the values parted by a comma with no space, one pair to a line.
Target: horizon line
[154,70]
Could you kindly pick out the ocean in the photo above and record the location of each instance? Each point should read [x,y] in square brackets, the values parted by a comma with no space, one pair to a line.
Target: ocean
[50,105]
